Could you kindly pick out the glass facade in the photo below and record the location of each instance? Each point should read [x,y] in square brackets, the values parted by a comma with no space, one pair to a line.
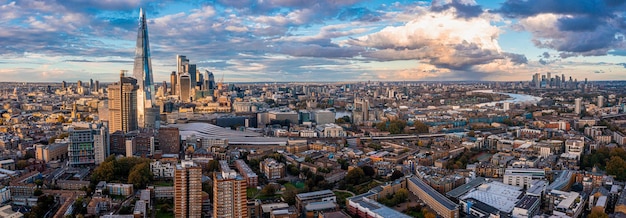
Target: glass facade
[142,71]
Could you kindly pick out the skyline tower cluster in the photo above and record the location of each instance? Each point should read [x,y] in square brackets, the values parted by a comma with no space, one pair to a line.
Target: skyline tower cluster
[188,82]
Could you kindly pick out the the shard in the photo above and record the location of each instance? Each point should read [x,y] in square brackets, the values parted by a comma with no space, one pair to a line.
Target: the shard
[142,71]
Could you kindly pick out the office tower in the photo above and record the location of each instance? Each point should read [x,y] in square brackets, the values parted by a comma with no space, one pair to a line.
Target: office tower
[64,85]
[577,105]
[164,88]
[549,76]
[169,140]
[210,80]
[229,193]
[188,190]
[192,75]
[79,84]
[101,145]
[173,82]
[200,82]
[91,84]
[142,71]
[80,151]
[182,64]
[97,86]
[123,104]
[185,87]
[600,101]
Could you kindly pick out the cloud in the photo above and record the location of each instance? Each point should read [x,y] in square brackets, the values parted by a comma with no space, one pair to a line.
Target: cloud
[573,28]
[440,39]
[598,71]
[464,8]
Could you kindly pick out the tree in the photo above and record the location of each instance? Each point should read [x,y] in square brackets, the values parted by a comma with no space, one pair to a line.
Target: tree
[617,166]
[368,170]
[289,196]
[104,172]
[140,175]
[396,175]
[420,127]
[471,133]
[21,164]
[213,166]
[38,192]
[355,176]
[598,212]
[268,190]
[430,215]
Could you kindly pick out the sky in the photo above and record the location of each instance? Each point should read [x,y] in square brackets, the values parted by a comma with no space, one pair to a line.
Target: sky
[316,40]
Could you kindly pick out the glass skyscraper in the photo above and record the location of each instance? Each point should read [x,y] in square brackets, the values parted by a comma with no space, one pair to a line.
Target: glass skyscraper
[142,71]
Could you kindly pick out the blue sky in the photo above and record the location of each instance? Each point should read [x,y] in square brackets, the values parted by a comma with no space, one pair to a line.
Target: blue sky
[324,40]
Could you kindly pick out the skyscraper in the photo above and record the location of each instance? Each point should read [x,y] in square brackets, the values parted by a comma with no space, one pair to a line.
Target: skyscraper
[210,80]
[173,83]
[185,87]
[192,75]
[188,190]
[123,104]
[577,105]
[229,193]
[142,71]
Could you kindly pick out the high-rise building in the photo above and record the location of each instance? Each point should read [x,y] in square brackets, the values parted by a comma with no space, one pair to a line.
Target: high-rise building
[577,105]
[600,101]
[123,104]
[229,193]
[192,75]
[173,83]
[101,146]
[142,71]
[63,85]
[97,86]
[210,80]
[164,87]
[82,136]
[185,87]
[188,190]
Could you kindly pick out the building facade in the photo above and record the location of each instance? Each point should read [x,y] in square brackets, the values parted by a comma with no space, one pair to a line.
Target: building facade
[187,190]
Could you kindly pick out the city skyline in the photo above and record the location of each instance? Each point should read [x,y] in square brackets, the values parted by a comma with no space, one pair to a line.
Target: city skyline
[279,41]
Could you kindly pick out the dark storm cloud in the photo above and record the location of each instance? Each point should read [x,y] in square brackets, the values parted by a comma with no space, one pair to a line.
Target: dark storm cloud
[526,8]
[578,24]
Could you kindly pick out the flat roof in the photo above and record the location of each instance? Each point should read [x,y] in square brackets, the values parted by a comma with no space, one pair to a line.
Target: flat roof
[496,194]
[315,194]
[458,191]
[321,205]
[436,195]
[378,208]
[527,202]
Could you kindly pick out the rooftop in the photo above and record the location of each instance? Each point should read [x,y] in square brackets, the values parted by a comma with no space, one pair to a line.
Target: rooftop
[526,202]
[316,194]
[496,194]
[436,195]
[457,192]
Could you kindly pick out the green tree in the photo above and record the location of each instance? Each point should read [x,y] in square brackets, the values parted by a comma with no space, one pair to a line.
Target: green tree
[368,170]
[396,175]
[213,166]
[104,172]
[355,176]
[268,190]
[616,166]
[140,175]
[420,127]
[21,164]
[289,196]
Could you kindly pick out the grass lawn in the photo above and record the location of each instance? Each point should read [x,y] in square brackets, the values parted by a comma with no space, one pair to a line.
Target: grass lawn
[341,197]
[251,192]
[164,213]
[160,214]
[298,185]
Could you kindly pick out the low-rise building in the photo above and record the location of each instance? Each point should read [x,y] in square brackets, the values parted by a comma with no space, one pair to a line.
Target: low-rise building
[272,169]
[120,189]
[52,152]
[252,180]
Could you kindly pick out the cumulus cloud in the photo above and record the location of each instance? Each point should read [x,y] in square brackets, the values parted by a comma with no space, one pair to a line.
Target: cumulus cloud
[439,38]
